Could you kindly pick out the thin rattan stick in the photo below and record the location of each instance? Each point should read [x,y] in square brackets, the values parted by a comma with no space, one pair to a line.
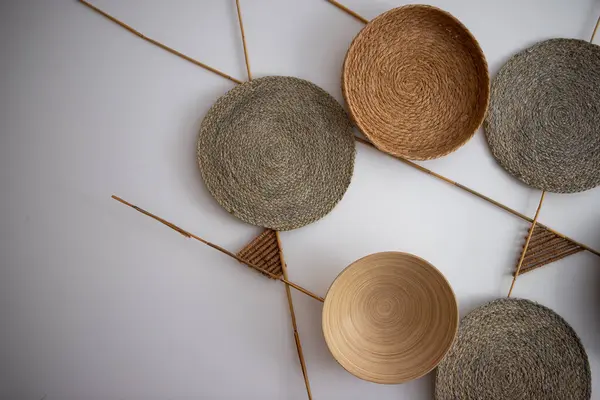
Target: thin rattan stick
[595,30]
[219,248]
[293,315]
[239,12]
[154,42]
[482,197]
[279,246]
[537,214]
[349,11]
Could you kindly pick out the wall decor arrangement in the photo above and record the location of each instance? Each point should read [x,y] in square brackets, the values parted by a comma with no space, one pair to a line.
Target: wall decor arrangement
[278,152]
[403,312]
[542,126]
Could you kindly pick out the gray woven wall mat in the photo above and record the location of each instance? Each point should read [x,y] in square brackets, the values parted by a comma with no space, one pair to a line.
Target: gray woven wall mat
[543,123]
[514,349]
[277,152]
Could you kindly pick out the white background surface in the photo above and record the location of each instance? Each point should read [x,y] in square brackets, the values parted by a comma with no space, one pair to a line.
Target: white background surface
[100,302]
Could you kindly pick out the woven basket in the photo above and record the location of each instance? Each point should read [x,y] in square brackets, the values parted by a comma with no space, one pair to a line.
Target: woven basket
[514,349]
[277,152]
[390,317]
[416,82]
[543,125]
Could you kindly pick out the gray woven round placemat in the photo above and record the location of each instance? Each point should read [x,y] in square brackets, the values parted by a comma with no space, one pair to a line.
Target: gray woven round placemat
[543,122]
[514,349]
[277,152]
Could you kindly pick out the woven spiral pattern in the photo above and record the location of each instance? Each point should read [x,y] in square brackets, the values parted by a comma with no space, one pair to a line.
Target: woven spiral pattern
[514,349]
[390,317]
[543,124]
[416,82]
[277,152]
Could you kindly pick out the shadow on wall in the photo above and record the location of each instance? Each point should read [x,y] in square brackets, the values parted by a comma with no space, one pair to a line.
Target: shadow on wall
[467,305]
[591,18]
[327,51]
[494,67]
[183,155]
[587,301]
[371,9]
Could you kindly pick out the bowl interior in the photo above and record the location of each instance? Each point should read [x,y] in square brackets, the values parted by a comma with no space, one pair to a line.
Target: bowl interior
[390,317]
[416,82]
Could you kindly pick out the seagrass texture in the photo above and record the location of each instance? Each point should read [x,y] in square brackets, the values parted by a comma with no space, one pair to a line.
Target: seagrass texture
[544,248]
[543,125]
[514,349]
[263,251]
[389,317]
[416,82]
[277,152]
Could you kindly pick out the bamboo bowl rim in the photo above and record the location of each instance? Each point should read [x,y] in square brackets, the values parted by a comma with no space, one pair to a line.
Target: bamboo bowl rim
[390,317]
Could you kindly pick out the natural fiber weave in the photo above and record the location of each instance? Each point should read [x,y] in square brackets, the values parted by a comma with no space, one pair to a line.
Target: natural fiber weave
[263,251]
[390,317]
[416,82]
[514,349]
[543,124]
[277,152]
[546,247]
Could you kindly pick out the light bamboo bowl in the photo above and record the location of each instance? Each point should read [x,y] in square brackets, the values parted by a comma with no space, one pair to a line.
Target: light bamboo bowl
[416,82]
[390,317]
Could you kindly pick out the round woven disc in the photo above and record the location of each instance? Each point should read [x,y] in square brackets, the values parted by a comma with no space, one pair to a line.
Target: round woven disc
[390,317]
[277,152]
[543,125]
[514,349]
[416,82]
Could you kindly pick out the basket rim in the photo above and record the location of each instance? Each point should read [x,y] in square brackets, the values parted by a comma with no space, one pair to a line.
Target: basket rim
[478,51]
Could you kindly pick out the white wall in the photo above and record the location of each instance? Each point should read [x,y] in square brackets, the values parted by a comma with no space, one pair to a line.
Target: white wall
[99,302]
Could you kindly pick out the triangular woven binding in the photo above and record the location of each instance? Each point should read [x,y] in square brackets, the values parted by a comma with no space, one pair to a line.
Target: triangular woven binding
[263,251]
[545,247]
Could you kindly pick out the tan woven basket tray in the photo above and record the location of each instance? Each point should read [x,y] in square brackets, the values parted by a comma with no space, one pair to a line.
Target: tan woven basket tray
[416,82]
[390,317]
